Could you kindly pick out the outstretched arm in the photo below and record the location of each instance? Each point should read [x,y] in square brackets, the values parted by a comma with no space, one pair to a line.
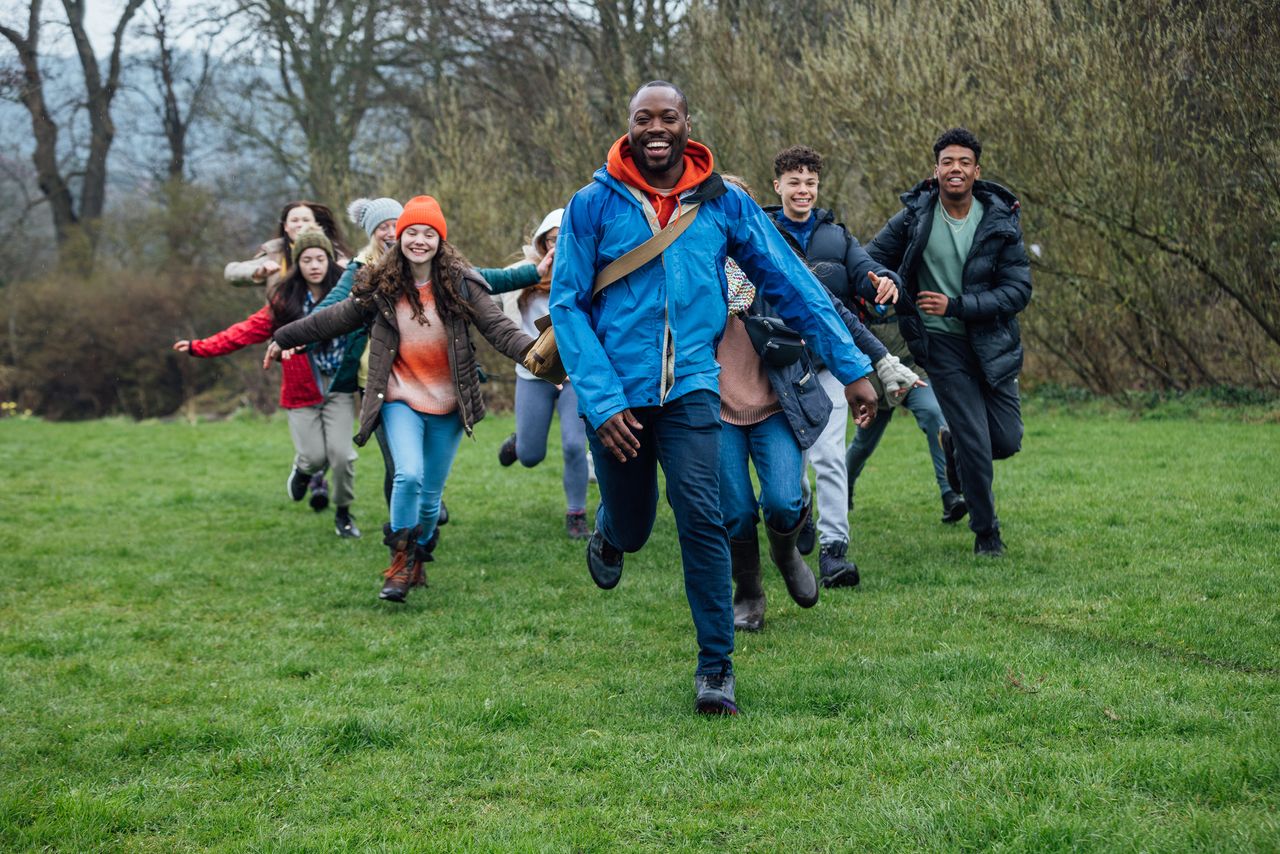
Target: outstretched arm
[333,321]
[254,329]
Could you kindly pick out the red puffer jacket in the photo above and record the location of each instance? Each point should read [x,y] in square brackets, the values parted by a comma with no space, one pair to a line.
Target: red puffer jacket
[298,386]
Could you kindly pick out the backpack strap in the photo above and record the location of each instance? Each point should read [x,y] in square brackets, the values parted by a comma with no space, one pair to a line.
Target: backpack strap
[644,253]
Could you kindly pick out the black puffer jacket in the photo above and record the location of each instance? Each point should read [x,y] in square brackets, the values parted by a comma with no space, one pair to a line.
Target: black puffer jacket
[835,257]
[997,275]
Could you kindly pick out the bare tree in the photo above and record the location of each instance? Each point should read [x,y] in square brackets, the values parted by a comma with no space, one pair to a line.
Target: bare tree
[99,90]
[183,84]
[323,68]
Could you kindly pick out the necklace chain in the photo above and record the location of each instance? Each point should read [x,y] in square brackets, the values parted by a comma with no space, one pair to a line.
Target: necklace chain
[954,224]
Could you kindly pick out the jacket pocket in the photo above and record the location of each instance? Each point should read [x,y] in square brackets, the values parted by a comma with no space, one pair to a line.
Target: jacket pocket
[812,401]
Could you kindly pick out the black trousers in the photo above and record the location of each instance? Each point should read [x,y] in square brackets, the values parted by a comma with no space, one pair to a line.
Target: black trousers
[985,422]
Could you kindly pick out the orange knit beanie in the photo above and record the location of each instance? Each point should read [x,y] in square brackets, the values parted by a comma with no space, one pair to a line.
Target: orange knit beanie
[422,210]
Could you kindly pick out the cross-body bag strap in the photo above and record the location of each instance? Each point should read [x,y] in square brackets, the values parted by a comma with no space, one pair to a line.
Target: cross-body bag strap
[644,253]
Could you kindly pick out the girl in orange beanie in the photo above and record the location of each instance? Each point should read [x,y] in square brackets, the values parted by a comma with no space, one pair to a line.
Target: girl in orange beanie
[421,302]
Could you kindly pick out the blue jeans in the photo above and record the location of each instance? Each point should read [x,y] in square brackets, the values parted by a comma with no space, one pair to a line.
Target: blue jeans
[779,463]
[423,448]
[684,438]
[924,406]
[536,402]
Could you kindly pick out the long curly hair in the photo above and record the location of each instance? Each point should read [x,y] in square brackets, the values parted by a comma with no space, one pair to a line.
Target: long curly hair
[393,277]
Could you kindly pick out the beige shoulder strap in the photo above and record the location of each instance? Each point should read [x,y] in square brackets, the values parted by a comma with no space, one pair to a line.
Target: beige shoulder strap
[645,252]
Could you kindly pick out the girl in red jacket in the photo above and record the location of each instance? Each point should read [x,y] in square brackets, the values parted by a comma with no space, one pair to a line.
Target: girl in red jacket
[320,420]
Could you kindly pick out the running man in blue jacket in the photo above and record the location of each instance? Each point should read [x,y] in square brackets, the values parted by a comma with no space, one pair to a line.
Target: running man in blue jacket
[642,354]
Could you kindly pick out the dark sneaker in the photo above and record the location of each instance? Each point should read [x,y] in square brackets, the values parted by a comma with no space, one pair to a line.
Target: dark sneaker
[835,571]
[953,508]
[808,534]
[443,519]
[575,525]
[345,524]
[319,493]
[713,694]
[949,452]
[989,545]
[507,451]
[297,484]
[604,560]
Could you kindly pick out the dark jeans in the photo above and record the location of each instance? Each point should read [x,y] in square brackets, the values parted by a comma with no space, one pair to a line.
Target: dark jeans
[779,462]
[985,422]
[684,438]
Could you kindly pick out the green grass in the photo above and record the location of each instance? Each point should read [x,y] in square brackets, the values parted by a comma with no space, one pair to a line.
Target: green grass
[189,661]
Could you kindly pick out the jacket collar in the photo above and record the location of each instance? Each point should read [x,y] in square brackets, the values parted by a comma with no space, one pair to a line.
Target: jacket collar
[993,196]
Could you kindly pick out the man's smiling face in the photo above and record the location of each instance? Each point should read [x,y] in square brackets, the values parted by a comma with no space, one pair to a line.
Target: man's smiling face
[658,131]
[956,171]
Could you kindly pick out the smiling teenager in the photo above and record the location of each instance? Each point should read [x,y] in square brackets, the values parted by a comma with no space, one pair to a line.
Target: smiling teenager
[957,244]
[641,354]
[844,267]
[420,303]
[378,219]
[321,410]
[271,262]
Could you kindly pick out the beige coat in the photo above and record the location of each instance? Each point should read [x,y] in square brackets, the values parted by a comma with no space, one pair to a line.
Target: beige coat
[240,273]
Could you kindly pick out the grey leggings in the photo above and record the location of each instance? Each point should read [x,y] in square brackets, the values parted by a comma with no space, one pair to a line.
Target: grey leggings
[536,400]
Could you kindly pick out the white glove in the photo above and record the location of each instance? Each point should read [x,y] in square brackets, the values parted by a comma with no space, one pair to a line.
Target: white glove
[897,379]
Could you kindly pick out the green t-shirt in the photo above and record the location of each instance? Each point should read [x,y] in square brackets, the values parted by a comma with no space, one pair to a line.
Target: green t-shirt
[944,257]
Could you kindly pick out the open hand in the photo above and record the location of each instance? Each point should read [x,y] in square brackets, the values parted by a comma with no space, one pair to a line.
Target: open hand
[544,266]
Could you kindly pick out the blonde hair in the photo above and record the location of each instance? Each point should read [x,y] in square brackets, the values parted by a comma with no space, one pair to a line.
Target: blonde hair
[373,252]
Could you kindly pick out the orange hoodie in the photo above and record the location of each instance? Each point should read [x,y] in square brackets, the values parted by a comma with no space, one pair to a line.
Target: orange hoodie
[698,164]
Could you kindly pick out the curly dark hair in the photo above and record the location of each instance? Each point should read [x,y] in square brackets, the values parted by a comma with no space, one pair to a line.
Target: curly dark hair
[289,294]
[797,157]
[324,218]
[961,137]
[393,276]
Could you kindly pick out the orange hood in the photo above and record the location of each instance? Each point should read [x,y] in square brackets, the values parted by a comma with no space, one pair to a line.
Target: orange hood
[698,164]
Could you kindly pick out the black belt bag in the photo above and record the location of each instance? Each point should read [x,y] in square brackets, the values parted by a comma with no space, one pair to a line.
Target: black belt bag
[777,344]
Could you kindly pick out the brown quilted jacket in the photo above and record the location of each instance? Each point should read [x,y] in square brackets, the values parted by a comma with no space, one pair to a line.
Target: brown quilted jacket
[379,313]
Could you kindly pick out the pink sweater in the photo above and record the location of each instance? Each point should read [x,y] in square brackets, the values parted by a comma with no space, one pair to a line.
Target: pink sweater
[746,396]
[421,375]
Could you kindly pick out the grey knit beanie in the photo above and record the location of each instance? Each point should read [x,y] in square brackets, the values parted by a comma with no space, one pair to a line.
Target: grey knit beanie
[371,213]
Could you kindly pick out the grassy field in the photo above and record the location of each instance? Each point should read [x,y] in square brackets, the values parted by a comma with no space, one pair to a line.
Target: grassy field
[190,661]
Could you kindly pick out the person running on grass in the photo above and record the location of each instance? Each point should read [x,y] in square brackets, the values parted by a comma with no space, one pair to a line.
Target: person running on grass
[420,303]
[320,409]
[957,244]
[271,262]
[537,400]
[378,219]
[771,414]
[841,264]
[641,355]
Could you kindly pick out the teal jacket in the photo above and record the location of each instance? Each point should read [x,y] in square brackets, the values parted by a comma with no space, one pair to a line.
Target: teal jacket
[499,280]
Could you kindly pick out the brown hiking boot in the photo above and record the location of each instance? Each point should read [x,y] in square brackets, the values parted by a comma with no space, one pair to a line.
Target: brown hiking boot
[399,576]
